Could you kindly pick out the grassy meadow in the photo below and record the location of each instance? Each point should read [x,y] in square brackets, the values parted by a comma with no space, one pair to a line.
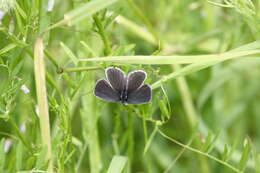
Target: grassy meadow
[202,59]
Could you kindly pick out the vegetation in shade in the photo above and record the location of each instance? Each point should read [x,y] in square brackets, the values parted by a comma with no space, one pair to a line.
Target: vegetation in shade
[202,60]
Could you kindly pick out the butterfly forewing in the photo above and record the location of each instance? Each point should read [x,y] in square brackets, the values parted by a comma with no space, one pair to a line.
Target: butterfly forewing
[104,91]
[140,96]
[135,79]
[116,78]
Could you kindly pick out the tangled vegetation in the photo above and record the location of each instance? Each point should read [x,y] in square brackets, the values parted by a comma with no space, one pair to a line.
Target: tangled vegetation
[202,62]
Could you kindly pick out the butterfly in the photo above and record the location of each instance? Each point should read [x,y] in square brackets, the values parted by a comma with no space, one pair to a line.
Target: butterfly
[128,89]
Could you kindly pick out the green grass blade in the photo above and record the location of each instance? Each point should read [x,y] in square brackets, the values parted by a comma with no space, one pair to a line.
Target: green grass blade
[87,10]
[83,12]
[39,70]
[2,155]
[117,164]
[245,155]
[172,59]
[183,71]
[69,53]
[7,48]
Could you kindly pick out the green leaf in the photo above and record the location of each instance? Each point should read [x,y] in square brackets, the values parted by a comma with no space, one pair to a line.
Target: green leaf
[86,10]
[83,12]
[2,155]
[7,48]
[69,53]
[19,156]
[20,10]
[163,108]
[245,155]
[117,164]
[89,49]
[210,141]
[226,154]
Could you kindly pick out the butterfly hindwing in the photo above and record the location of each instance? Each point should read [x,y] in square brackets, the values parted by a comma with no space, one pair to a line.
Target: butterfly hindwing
[104,91]
[140,96]
[116,78]
[135,79]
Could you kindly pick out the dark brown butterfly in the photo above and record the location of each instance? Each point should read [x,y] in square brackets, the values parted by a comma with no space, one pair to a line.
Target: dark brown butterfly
[121,88]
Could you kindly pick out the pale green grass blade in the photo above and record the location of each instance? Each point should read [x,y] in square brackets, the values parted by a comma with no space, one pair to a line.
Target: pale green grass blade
[172,59]
[83,12]
[69,53]
[117,164]
[87,10]
[94,54]
[39,69]
[183,71]
[136,29]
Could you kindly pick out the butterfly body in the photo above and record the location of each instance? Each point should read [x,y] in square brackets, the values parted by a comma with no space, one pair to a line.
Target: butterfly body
[123,96]
[121,88]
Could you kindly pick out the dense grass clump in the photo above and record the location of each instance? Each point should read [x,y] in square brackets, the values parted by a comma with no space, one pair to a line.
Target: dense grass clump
[203,64]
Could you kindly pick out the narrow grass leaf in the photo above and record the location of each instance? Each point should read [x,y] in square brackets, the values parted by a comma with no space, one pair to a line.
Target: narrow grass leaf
[94,54]
[210,142]
[167,100]
[147,145]
[163,109]
[226,153]
[250,46]
[183,71]
[245,155]
[86,10]
[19,156]
[39,72]
[139,59]
[2,155]
[7,48]
[69,53]
[83,12]
[136,29]
[207,141]
[117,164]
[20,10]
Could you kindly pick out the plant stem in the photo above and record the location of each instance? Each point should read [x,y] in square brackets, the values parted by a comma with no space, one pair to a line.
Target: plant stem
[103,35]
[199,152]
[76,69]
[39,71]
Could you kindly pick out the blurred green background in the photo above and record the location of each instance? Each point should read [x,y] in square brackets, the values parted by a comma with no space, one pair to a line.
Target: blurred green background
[213,112]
